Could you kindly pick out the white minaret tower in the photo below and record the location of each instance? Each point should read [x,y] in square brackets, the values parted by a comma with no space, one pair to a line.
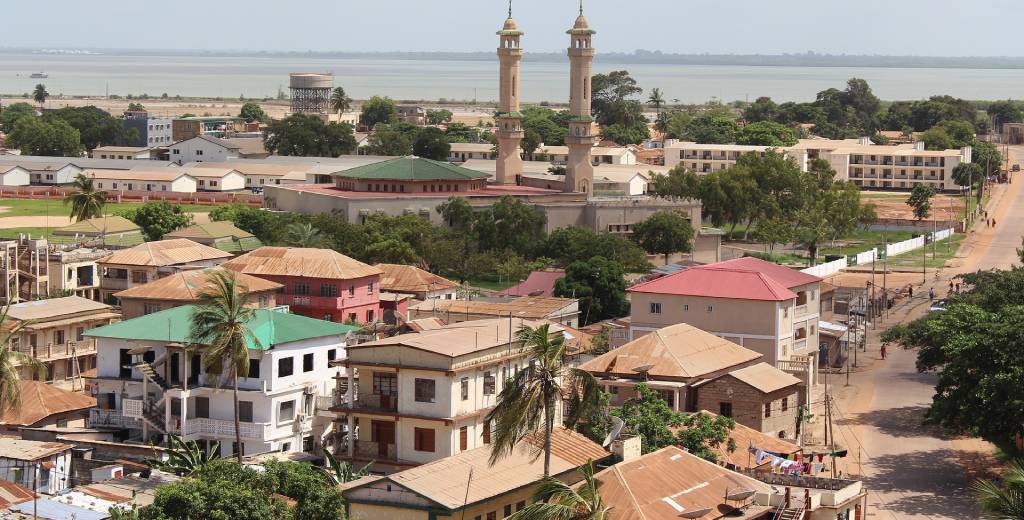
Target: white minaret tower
[579,172]
[510,130]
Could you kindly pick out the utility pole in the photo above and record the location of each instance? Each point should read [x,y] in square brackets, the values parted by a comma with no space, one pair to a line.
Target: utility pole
[35,491]
[828,415]
[885,272]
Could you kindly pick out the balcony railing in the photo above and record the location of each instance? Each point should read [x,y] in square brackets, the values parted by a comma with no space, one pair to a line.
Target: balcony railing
[113,419]
[800,344]
[330,302]
[370,402]
[221,428]
[370,450]
[60,350]
[800,310]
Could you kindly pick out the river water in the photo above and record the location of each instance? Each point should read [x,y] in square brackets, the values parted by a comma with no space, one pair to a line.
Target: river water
[262,76]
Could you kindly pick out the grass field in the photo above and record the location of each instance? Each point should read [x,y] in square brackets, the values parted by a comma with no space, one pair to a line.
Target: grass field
[42,207]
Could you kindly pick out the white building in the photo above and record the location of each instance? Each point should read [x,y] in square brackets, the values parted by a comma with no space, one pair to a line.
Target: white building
[598,155]
[203,148]
[217,179]
[163,179]
[158,131]
[12,175]
[148,382]
[63,170]
[423,396]
[45,464]
[123,153]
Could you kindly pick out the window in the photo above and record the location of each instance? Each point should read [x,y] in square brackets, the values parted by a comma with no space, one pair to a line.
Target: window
[424,390]
[486,435]
[254,369]
[520,505]
[493,515]
[351,290]
[655,308]
[369,316]
[508,510]
[767,410]
[138,276]
[710,308]
[245,411]
[725,409]
[285,367]
[79,333]
[465,388]
[669,397]
[385,384]
[352,317]
[488,383]
[264,301]
[369,288]
[203,407]
[150,308]
[328,290]
[785,312]
[286,411]
[686,307]
[307,362]
[464,438]
[58,337]
[423,439]
[301,289]
[332,355]
[199,152]
[785,404]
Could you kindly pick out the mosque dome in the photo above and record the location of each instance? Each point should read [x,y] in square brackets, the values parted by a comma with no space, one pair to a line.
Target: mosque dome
[510,25]
[581,23]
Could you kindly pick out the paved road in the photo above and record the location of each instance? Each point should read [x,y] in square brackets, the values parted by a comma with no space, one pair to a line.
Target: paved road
[915,472]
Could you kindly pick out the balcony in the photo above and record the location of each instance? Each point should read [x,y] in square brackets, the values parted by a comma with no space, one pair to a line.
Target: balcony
[110,282]
[221,428]
[371,403]
[113,419]
[799,345]
[326,302]
[800,310]
[59,351]
[372,450]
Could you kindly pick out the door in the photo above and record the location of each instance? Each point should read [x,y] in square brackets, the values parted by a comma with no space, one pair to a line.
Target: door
[193,377]
[463,438]
[175,368]
[383,433]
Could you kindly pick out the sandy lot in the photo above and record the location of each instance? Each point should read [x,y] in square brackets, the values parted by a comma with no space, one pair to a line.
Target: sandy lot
[36,221]
[893,205]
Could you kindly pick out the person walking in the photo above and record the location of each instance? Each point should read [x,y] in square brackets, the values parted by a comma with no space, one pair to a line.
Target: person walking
[910,291]
[883,350]
[931,294]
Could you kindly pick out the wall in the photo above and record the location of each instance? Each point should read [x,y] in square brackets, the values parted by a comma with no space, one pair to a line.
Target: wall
[135,307]
[338,307]
[22,472]
[16,177]
[200,150]
[233,181]
[748,405]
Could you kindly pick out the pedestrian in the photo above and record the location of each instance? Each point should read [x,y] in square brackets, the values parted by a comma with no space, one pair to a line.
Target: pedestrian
[957,288]
[951,286]
[883,350]
[931,293]
[993,222]
[910,291]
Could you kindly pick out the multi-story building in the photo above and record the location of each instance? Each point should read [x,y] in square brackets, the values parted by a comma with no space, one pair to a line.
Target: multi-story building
[423,396]
[564,311]
[780,307]
[53,333]
[215,126]
[415,282]
[222,235]
[153,131]
[185,287]
[149,261]
[203,148]
[152,380]
[319,283]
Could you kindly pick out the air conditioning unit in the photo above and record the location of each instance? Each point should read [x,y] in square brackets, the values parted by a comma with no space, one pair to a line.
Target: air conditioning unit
[310,389]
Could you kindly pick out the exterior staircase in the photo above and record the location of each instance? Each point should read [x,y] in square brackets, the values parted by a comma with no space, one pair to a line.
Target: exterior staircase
[150,373]
[154,417]
[790,514]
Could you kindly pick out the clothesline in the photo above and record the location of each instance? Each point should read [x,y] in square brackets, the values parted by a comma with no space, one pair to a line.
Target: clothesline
[794,463]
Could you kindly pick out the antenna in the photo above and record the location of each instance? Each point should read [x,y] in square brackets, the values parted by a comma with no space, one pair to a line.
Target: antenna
[510,8]
[581,7]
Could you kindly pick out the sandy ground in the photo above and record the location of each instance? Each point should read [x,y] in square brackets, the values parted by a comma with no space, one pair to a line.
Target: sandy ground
[893,205]
[36,221]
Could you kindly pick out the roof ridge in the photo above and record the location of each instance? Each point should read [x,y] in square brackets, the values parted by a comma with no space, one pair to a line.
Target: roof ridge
[629,491]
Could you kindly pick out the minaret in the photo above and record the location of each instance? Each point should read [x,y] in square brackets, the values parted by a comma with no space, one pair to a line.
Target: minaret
[510,130]
[579,172]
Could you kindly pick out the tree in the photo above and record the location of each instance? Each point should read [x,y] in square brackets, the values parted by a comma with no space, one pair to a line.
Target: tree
[10,358]
[865,104]
[340,102]
[431,143]
[220,320]
[1008,111]
[702,434]
[185,458]
[988,157]
[531,141]
[510,224]
[664,232]
[967,174]
[220,491]
[673,123]
[15,111]
[378,110]
[648,415]
[599,286]
[961,132]
[1003,499]
[438,116]
[136,107]
[766,133]
[656,99]
[457,213]
[557,500]
[303,234]
[158,218]
[609,92]
[573,244]
[40,94]
[389,140]
[762,109]
[920,200]
[253,112]
[528,400]
[95,126]
[87,202]
[308,136]
[625,134]
[34,136]
[342,472]
[707,129]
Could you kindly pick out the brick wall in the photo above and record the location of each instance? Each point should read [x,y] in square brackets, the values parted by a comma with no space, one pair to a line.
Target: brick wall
[748,405]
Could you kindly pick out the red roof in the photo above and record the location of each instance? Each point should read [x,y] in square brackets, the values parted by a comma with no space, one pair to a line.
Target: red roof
[745,278]
[540,282]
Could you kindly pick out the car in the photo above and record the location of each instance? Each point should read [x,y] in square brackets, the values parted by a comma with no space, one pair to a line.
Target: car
[937,306]
[1016,167]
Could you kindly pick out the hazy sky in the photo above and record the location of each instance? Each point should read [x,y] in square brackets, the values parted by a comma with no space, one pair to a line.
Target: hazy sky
[893,27]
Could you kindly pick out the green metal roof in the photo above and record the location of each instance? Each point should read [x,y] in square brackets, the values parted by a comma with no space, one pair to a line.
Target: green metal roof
[241,245]
[411,169]
[268,326]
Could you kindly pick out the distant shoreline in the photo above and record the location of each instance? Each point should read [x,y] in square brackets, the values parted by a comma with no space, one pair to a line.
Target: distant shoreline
[637,57]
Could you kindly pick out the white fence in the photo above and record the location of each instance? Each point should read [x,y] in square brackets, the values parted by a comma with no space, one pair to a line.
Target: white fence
[902,247]
[826,269]
[864,258]
[944,234]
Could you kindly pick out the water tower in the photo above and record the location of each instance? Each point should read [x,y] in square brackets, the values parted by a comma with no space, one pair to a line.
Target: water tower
[311,92]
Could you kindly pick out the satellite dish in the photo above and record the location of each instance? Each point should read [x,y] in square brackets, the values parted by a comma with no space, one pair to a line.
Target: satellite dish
[642,368]
[695,513]
[617,426]
[742,494]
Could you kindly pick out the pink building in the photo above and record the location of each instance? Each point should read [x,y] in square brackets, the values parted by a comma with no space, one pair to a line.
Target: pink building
[319,283]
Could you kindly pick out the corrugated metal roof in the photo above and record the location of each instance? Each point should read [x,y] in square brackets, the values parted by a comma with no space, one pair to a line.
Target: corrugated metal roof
[714,282]
[535,307]
[165,252]
[745,437]
[411,279]
[269,327]
[411,169]
[20,449]
[52,510]
[164,174]
[300,261]
[457,339]
[679,351]
[54,308]
[13,494]
[663,484]
[40,400]
[186,286]
[539,283]
[99,225]
[764,377]
[219,229]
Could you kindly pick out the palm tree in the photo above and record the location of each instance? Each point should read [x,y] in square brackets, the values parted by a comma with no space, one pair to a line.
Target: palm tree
[86,203]
[220,320]
[531,396]
[656,99]
[10,389]
[184,458]
[342,472]
[1003,501]
[340,101]
[40,94]
[303,235]
[556,500]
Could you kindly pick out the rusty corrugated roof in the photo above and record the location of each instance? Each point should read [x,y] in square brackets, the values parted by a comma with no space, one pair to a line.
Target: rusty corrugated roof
[457,339]
[186,286]
[40,400]
[765,377]
[165,252]
[301,261]
[411,279]
[530,307]
[746,437]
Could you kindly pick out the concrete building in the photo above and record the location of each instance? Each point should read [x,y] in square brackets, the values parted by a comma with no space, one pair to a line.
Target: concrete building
[63,170]
[53,333]
[423,396]
[165,179]
[319,283]
[467,485]
[221,235]
[14,175]
[1013,133]
[151,380]
[599,155]
[203,148]
[76,271]
[185,287]
[411,114]
[462,152]
[779,307]
[508,119]
[123,153]
[46,406]
[411,175]
[579,170]
[415,282]
[216,179]
[215,126]
[564,311]
[759,396]
[146,262]
[43,466]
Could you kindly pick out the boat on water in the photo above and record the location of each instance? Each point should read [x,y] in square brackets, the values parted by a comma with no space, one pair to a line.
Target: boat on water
[40,75]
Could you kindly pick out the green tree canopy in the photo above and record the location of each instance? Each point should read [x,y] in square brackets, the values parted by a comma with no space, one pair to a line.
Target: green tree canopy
[708,129]
[573,244]
[377,110]
[10,115]
[253,112]
[550,125]
[510,224]
[1008,111]
[762,109]
[340,102]
[599,285]
[438,116]
[920,200]
[702,434]
[766,133]
[95,126]
[308,136]
[40,94]
[158,218]
[431,143]
[35,136]
[664,233]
